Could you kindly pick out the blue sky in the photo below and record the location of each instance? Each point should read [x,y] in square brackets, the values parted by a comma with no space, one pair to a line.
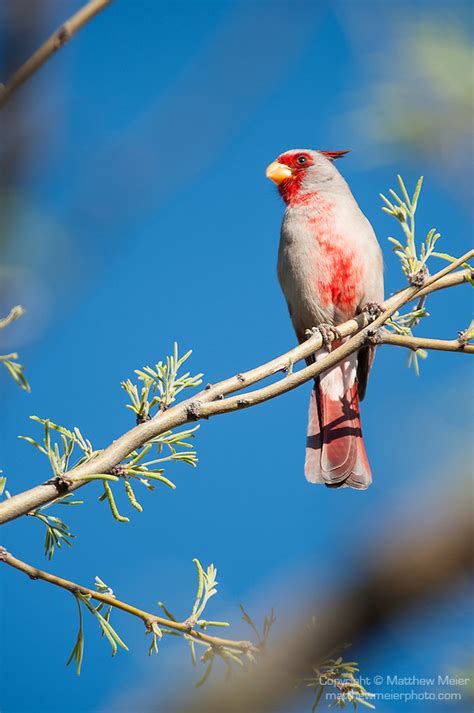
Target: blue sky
[144,217]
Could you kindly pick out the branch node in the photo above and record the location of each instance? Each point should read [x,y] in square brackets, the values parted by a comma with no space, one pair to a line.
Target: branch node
[62,36]
[193,411]
[3,554]
[243,402]
[418,279]
[61,482]
[373,337]
[149,621]
[142,418]
[207,387]
[119,470]
[463,338]
[247,646]
[241,378]
[190,623]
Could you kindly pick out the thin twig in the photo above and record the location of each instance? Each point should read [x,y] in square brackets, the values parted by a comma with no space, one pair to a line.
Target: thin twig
[146,617]
[444,345]
[62,35]
[210,401]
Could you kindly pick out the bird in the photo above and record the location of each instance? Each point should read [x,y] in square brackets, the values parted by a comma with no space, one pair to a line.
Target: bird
[330,268]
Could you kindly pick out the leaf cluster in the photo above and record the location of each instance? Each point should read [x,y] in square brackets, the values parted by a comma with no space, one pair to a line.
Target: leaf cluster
[171,447]
[57,532]
[59,444]
[413,260]
[160,385]
[10,361]
[84,600]
[340,676]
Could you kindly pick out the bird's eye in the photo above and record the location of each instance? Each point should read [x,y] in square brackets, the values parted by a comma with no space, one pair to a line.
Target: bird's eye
[301,160]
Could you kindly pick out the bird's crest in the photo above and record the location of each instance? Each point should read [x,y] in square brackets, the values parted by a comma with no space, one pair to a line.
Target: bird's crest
[333,155]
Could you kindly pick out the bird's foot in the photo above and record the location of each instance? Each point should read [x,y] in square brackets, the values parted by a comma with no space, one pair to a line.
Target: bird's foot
[328,333]
[372,309]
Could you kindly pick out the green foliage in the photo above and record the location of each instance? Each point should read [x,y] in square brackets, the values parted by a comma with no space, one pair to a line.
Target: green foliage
[468,334]
[10,361]
[170,447]
[339,678]
[57,532]
[262,636]
[230,656]
[404,209]
[403,324]
[156,634]
[107,630]
[207,584]
[15,369]
[77,653]
[59,444]
[161,385]
[413,260]
[206,589]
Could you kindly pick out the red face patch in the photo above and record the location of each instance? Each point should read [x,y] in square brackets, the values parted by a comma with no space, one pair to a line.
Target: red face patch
[298,161]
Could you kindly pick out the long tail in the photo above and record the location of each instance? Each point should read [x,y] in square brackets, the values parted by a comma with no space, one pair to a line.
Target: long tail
[335,452]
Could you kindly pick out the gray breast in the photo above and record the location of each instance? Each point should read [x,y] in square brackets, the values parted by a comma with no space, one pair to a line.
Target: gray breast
[299,269]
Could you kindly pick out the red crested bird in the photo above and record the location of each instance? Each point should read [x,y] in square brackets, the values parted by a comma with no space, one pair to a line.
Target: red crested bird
[330,269]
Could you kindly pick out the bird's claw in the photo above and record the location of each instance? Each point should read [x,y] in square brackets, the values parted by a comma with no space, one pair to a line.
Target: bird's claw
[328,333]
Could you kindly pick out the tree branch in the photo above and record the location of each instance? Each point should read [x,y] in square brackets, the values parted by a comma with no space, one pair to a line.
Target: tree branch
[444,345]
[146,617]
[211,401]
[59,38]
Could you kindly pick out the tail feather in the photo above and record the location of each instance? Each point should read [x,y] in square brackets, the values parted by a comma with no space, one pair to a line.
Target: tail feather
[335,452]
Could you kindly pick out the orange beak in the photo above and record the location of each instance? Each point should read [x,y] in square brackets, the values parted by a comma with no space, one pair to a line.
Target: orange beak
[278,172]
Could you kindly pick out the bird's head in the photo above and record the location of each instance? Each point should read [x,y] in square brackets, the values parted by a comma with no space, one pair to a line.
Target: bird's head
[301,172]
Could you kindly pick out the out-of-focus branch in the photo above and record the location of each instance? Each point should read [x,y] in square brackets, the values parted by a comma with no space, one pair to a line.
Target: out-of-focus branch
[211,401]
[148,618]
[62,35]
[415,567]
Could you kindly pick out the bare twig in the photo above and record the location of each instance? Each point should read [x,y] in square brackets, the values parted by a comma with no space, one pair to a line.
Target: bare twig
[211,401]
[62,35]
[444,345]
[146,617]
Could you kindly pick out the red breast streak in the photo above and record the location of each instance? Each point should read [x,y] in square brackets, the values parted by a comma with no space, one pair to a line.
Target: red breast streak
[339,265]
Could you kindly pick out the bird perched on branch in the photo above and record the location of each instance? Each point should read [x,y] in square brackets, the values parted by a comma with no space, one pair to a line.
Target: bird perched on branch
[330,268]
